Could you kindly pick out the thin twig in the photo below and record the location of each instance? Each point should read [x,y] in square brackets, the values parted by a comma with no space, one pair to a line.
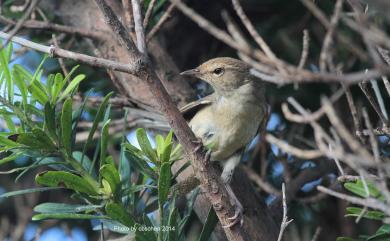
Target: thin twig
[377,159]
[353,109]
[58,52]
[305,49]
[363,86]
[379,98]
[369,202]
[328,37]
[149,12]
[306,154]
[285,221]
[317,234]
[251,29]
[20,22]
[160,22]
[44,25]
[139,29]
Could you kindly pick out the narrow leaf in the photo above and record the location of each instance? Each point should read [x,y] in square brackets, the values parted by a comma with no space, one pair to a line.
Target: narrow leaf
[119,213]
[145,145]
[69,180]
[164,182]
[66,126]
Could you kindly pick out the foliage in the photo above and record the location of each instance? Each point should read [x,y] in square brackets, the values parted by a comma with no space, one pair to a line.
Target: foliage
[125,194]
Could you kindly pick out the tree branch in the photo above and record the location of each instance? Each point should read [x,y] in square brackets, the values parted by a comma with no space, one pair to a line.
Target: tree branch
[209,176]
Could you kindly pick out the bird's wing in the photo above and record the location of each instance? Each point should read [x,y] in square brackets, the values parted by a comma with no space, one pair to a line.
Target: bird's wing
[192,108]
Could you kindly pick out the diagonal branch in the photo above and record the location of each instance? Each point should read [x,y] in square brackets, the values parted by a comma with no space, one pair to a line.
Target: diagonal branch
[208,175]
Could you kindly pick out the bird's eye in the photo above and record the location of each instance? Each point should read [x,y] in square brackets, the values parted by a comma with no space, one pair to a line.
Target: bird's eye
[218,71]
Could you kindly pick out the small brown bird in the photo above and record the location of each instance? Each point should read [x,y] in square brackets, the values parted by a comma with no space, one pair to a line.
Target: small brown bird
[227,120]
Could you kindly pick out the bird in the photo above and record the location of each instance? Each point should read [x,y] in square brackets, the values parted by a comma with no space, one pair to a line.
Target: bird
[228,119]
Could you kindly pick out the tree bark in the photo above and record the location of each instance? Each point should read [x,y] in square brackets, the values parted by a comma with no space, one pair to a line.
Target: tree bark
[259,224]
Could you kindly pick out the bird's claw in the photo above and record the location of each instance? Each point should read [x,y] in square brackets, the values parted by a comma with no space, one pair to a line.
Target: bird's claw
[207,156]
[237,217]
[198,143]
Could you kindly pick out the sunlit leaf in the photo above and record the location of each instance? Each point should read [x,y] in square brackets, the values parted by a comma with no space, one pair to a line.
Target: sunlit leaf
[145,145]
[72,85]
[44,216]
[65,208]
[69,180]
[111,175]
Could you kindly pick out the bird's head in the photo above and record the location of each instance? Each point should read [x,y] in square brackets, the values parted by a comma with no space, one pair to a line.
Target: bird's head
[223,74]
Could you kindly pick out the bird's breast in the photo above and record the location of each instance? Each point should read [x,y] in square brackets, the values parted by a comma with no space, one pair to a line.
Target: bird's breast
[227,127]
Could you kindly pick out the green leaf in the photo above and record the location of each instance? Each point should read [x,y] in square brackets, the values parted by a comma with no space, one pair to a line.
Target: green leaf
[168,139]
[145,145]
[358,189]
[38,93]
[172,221]
[10,123]
[38,71]
[111,175]
[138,162]
[44,216]
[27,191]
[119,213]
[21,84]
[50,120]
[69,180]
[77,155]
[345,239]
[7,74]
[98,118]
[104,141]
[37,140]
[187,214]
[42,137]
[72,85]
[159,144]
[8,143]
[66,126]
[356,212]
[65,208]
[382,234]
[67,77]
[9,158]
[209,225]
[164,182]
[58,84]
[166,155]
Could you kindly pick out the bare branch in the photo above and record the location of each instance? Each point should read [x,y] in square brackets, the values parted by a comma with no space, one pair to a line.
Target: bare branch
[306,154]
[58,52]
[160,22]
[35,24]
[328,37]
[148,13]
[20,22]
[285,221]
[139,29]
[369,202]
[305,49]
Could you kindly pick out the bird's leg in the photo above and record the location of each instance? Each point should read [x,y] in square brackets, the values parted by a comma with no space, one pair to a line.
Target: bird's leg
[227,174]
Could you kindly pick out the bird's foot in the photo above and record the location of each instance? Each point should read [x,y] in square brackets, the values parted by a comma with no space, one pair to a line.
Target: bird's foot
[206,158]
[238,209]
[237,217]
[198,143]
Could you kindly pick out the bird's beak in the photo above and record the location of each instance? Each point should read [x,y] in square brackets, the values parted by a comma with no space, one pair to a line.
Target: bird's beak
[191,72]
